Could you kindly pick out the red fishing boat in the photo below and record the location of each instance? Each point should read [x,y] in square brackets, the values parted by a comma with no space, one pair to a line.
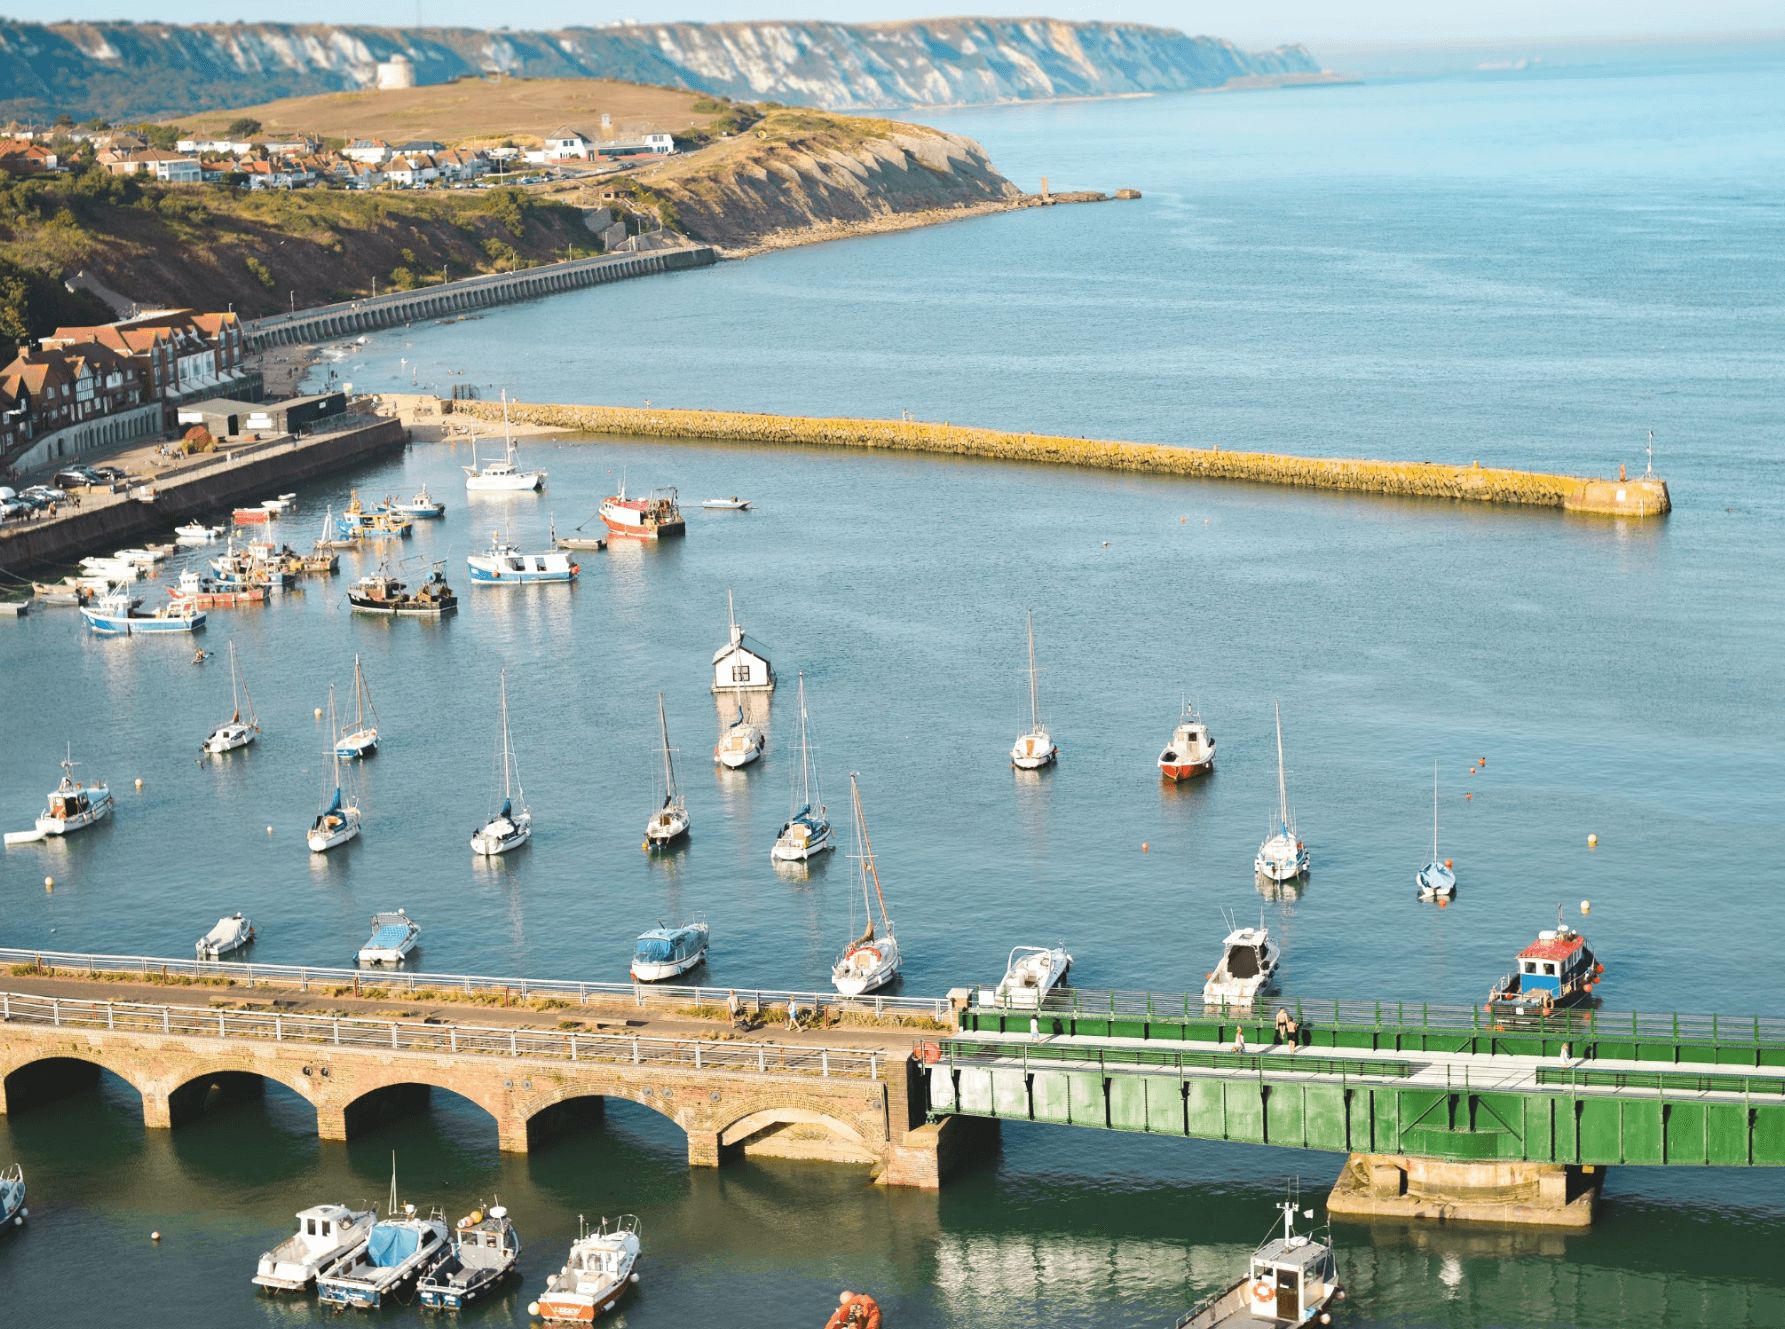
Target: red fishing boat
[1191,750]
[646,518]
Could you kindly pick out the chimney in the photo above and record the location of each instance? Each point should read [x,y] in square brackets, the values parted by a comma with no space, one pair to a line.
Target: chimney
[1044,193]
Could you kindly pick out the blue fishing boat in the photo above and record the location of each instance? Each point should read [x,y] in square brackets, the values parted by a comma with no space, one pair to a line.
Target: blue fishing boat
[666,952]
[506,565]
[422,505]
[120,616]
[1558,969]
[485,1251]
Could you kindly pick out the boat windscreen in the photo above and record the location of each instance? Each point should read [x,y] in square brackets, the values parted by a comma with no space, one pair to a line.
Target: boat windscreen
[1242,962]
[655,948]
[389,1245]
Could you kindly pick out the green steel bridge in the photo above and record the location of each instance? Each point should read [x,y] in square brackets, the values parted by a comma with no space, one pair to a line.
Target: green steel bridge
[1455,1083]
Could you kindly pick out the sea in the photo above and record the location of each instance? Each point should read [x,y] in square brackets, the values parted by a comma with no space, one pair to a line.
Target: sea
[1570,266]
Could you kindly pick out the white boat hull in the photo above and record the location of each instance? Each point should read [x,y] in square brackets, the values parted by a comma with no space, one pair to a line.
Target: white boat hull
[321,839]
[665,827]
[656,972]
[735,761]
[99,803]
[500,836]
[1033,751]
[360,744]
[867,968]
[229,738]
[515,483]
[789,850]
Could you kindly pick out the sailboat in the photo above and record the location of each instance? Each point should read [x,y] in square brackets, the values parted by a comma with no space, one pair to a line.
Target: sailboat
[671,820]
[362,739]
[234,734]
[807,830]
[508,829]
[338,822]
[501,475]
[1436,880]
[1282,856]
[741,743]
[871,961]
[1034,749]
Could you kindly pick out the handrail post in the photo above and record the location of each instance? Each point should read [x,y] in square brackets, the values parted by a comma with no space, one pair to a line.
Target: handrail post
[697,1065]
[452,1033]
[514,1048]
[337,1031]
[824,1062]
[56,1011]
[635,1049]
[222,1029]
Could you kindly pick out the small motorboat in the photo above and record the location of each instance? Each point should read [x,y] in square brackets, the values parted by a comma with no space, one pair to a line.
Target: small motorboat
[326,1233]
[507,829]
[423,504]
[399,1253]
[142,558]
[501,476]
[504,564]
[666,952]
[1282,856]
[732,504]
[278,504]
[1032,973]
[807,830]
[601,1267]
[393,937]
[576,540]
[12,1199]
[648,518]
[196,533]
[72,806]
[670,821]
[1437,880]
[1556,970]
[1248,968]
[485,1251]
[197,592]
[1034,749]
[871,961]
[1292,1280]
[118,615]
[230,934]
[741,743]
[235,732]
[362,739]
[1191,750]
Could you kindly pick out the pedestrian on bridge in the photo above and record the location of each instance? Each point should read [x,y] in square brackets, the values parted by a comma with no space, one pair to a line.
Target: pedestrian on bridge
[736,1008]
[1239,1042]
[1286,1027]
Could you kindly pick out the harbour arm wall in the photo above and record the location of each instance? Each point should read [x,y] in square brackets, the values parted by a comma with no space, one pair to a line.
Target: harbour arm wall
[1646,496]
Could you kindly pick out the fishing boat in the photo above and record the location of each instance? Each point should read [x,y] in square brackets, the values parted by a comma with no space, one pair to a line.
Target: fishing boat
[485,1251]
[1031,973]
[741,743]
[669,822]
[506,829]
[1191,749]
[338,821]
[506,565]
[362,739]
[335,535]
[235,732]
[423,504]
[576,540]
[501,476]
[807,831]
[1282,856]
[72,805]
[326,1233]
[1436,880]
[230,934]
[602,1266]
[199,592]
[393,937]
[732,504]
[871,960]
[118,615]
[382,593]
[649,518]
[1291,1279]
[196,533]
[1556,970]
[1248,968]
[12,1199]
[1034,749]
[399,1252]
[665,952]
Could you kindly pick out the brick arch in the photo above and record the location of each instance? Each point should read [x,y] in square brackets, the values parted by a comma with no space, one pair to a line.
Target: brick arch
[170,1101]
[792,1127]
[350,1106]
[86,1056]
[548,1110]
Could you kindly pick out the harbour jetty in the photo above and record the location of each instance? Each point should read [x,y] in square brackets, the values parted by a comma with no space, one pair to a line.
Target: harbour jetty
[1645,496]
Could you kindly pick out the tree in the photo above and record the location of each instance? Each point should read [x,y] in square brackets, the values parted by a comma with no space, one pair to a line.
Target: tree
[242,127]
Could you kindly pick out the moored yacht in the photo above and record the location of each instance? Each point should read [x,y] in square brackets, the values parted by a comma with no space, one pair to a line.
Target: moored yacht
[1034,749]
[807,830]
[1248,968]
[230,934]
[670,821]
[741,743]
[666,952]
[870,961]
[649,518]
[362,739]
[393,937]
[601,1267]
[485,1251]
[400,1251]
[1031,973]
[505,564]
[1191,749]
[235,732]
[325,1234]
[338,821]
[506,829]
[72,804]
[1437,880]
[1282,856]
[505,475]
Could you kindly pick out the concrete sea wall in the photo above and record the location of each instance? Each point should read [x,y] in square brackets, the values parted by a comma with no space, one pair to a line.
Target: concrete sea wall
[1476,484]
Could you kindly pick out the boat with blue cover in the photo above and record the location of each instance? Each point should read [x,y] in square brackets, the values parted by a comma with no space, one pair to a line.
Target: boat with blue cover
[666,952]
[12,1199]
[1558,969]
[393,937]
[399,1252]
[485,1251]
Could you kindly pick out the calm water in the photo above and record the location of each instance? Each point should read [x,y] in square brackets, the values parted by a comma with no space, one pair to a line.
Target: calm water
[1526,272]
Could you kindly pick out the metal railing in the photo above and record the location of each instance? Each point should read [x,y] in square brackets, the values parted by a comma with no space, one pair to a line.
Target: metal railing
[453,1039]
[416,985]
[959,1051]
[1686,1081]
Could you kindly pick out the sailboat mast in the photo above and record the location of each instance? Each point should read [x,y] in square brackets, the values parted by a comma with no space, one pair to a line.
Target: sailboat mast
[805,750]
[235,698]
[868,867]
[334,729]
[1034,700]
[1282,785]
[669,770]
[507,793]
[1434,812]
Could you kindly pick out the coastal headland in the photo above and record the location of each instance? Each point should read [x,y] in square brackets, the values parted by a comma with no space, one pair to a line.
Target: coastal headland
[1645,496]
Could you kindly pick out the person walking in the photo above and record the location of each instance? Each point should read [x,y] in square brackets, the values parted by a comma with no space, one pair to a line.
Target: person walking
[736,1007]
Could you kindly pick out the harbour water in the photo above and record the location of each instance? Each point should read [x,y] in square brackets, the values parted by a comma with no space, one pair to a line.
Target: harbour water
[1530,272]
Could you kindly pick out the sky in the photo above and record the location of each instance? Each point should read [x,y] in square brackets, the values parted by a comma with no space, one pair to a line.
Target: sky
[1253,23]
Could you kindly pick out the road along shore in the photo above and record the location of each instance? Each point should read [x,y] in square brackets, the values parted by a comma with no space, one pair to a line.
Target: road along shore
[1645,496]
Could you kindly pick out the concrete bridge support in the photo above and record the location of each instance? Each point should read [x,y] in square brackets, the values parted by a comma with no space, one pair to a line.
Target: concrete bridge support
[1522,1194]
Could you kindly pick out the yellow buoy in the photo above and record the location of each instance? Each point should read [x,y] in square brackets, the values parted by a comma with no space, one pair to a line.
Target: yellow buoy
[154,1236]
[139,782]
[49,883]
[1586,906]
[319,712]
[1592,840]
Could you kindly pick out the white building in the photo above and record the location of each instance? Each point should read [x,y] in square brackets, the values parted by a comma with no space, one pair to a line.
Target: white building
[373,151]
[660,143]
[178,170]
[396,72]
[563,143]
[741,665]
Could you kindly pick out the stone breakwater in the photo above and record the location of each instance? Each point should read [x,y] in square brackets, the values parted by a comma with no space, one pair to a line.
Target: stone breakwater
[1643,497]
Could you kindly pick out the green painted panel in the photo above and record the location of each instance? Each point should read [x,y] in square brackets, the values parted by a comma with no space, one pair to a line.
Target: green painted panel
[1245,1110]
[1642,1130]
[1165,1105]
[1424,1107]
[1050,1096]
[1128,1028]
[1500,1112]
[976,1090]
[1128,1102]
[1769,1135]
[1283,1114]
[1540,1129]
[1728,1132]
[1010,1092]
[1470,1145]
[1684,1132]
[1086,1095]
[1601,1120]
[1207,1110]
[1610,1049]
[1385,1120]
[1324,1117]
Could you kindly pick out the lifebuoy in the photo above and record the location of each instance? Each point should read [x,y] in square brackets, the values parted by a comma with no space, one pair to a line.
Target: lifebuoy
[929,1053]
[1263,1291]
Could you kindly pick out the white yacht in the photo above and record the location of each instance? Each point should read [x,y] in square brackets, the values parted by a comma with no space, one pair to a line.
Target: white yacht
[72,804]
[399,1252]
[196,533]
[600,1270]
[1034,749]
[1436,880]
[741,743]
[362,739]
[230,934]
[870,961]
[807,830]
[669,822]
[325,1234]
[12,1198]
[1248,968]
[666,952]
[1282,856]
[338,821]
[1032,973]
[393,937]
[234,732]
[506,829]
[501,476]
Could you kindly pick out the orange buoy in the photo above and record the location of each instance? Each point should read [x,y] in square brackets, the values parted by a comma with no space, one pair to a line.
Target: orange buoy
[1448,863]
[1484,761]
[1468,795]
[1443,903]
[1143,846]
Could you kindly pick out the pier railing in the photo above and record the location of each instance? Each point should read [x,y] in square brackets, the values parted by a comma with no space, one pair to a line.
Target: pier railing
[452,1039]
[417,984]
[963,1051]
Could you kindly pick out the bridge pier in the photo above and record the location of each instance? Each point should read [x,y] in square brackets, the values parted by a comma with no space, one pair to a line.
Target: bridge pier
[1410,1187]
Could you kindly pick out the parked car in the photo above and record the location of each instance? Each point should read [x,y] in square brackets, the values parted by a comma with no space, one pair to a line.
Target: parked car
[110,475]
[75,477]
[41,494]
[11,509]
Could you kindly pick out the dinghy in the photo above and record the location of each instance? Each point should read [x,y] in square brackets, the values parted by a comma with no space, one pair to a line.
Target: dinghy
[506,829]
[235,732]
[1282,856]
[230,934]
[1034,749]
[669,822]
[665,952]
[1436,880]
[871,961]
[325,1234]
[807,830]
[600,1269]
[485,1251]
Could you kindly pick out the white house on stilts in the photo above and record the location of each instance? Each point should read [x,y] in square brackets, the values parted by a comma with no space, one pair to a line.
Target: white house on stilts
[740,665]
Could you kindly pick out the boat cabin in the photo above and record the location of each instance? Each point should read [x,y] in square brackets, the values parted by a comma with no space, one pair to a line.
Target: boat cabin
[320,1228]
[1556,969]
[1291,1278]
[742,665]
[68,805]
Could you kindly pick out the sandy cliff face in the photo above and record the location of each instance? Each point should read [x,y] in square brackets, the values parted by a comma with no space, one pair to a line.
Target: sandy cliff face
[136,69]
